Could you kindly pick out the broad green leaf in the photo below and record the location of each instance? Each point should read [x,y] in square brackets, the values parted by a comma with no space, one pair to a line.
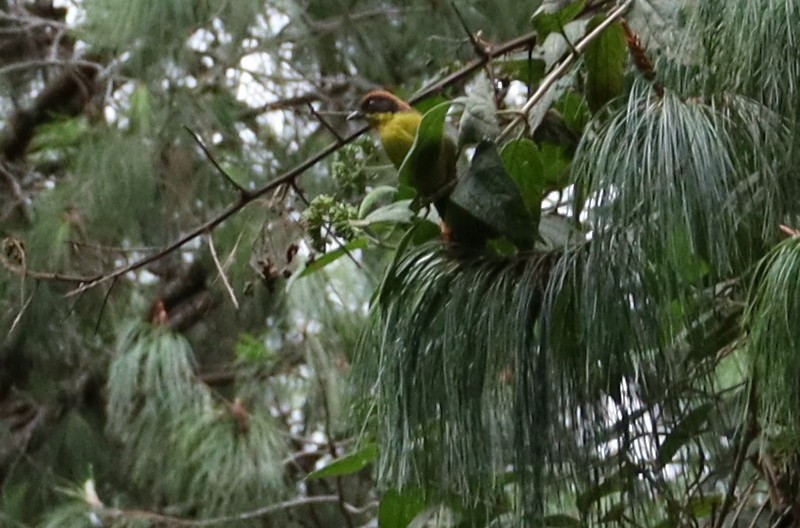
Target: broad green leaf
[681,434]
[560,520]
[546,21]
[399,508]
[523,162]
[428,104]
[427,145]
[329,257]
[375,196]
[425,230]
[396,212]
[574,109]
[605,61]
[528,71]
[479,118]
[347,465]
[488,193]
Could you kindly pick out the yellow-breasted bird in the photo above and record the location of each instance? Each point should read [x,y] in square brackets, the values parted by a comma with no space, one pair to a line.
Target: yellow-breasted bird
[434,172]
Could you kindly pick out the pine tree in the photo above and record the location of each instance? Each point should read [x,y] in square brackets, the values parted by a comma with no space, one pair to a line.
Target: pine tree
[220,307]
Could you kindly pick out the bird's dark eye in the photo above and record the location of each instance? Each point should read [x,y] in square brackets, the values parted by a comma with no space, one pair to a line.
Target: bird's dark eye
[377,105]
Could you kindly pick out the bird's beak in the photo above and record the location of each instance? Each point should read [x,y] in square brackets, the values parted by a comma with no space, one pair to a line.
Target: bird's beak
[352,116]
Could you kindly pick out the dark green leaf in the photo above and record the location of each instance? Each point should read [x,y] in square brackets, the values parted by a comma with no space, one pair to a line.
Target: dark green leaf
[479,118]
[574,109]
[523,162]
[376,196]
[399,508]
[527,71]
[605,61]
[488,193]
[560,520]
[347,465]
[424,231]
[327,258]
[396,212]
[546,22]
[682,433]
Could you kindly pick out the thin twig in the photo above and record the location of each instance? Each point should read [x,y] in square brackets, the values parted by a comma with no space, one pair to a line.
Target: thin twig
[748,492]
[479,49]
[244,193]
[221,271]
[562,67]
[18,318]
[254,514]
[325,123]
[103,306]
[758,514]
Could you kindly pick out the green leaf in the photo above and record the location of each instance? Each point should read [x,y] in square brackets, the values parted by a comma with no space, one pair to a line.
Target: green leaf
[347,465]
[605,61]
[329,257]
[424,231]
[560,520]
[545,22]
[574,109]
[488,193]
[399,508]
[523,162]
[682,433]
[427,145]
[537,170]
[59,134]
[375,196]
[479,118]
[396,212]
[528,71]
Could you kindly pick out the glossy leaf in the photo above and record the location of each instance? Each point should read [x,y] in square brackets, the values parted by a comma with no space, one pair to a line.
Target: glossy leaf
[396,212]
[605,61]
[523,162]
[488,193]
[328,258]
[374,197]
[427,145]
[479,118]
[546,22]
[347,465]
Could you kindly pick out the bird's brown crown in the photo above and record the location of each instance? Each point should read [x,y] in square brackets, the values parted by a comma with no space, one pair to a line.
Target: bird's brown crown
[382,102]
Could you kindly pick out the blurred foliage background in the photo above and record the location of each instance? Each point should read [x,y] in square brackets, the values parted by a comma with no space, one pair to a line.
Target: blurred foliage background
[316,355]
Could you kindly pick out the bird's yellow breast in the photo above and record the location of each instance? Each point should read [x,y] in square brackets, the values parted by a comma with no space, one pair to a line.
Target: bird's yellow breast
[397,132]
